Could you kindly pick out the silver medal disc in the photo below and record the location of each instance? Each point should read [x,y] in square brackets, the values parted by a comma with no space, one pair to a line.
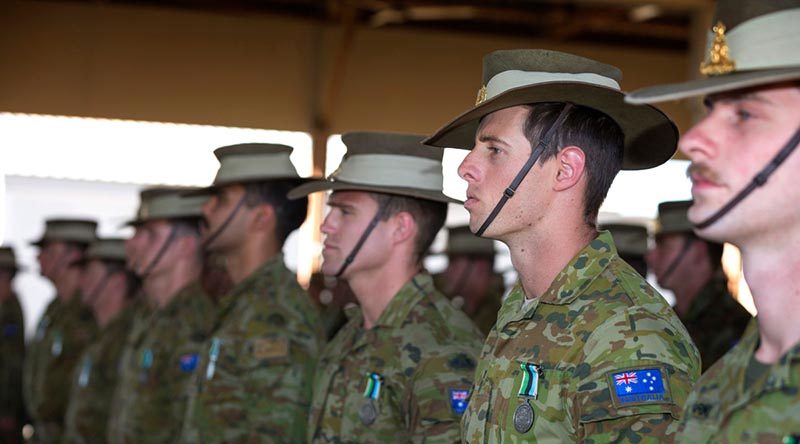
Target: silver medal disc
[523,417]
[368,413]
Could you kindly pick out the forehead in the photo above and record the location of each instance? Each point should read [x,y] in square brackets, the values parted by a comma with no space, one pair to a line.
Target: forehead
[778,95]
[151,225]
[507,120]
[351,198]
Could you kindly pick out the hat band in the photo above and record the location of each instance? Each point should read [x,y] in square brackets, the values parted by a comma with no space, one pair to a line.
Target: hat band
[255,166]
[767,41]
[391,170]
[172,206]
[69,233]
[511,79]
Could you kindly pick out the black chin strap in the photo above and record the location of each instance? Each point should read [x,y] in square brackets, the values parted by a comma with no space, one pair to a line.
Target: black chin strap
[687,243]
[99,287]
[544,141]
[225,223]
[164,247]
[759,180]
[372,224]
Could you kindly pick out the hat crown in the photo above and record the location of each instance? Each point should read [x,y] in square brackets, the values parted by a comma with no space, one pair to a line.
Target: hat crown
[544,60]
[107,249]
[169,203]
[461,240]
[248,162]
[398,144]
[673,217]
[69,230]
[735,12]
[629,238]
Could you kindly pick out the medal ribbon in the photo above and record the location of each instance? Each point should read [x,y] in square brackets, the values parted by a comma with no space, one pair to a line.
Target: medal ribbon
[373,389]
[529,386]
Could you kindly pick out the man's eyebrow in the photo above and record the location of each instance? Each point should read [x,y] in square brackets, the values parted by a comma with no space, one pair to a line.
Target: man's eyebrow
[336,204]
[740,97]
[491,138]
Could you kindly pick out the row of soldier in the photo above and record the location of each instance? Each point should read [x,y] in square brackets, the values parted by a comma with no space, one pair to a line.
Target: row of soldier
[583,349]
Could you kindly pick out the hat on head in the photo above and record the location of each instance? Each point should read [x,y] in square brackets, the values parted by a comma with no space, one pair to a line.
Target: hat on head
[168,203]
[460,240]
[251,162]
[384,163]
[673,217]
[630,239]
[528,76]
[81,231]
[750,43]
[8,260]
[106,249]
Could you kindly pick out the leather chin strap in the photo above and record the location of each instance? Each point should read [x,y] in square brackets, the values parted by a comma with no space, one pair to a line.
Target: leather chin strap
[759,180]
[544,142]
[225,223]
[372,224]
[687,243]
[173,232]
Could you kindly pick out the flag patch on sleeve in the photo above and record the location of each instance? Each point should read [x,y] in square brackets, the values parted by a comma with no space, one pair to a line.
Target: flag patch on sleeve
[188,362]
[459,400]
[639,386]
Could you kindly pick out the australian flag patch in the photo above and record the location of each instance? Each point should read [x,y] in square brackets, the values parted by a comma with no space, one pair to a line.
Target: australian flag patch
[189,362]
[459,400]
[639,386]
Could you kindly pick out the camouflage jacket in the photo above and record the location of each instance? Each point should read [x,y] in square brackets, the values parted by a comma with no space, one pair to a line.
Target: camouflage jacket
[715,320]
[724,408]
[61,336]
[255,373]
[12,350]
[157,370]
[405,380]
[93,382]
[599,357]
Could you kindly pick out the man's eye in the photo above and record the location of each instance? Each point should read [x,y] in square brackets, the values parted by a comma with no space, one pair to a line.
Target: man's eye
[494,150]
[743,114]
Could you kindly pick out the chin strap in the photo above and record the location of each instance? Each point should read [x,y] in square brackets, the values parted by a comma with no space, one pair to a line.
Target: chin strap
[759,180]
[372,224]
[173,232]
[544,142]
[687,243]
[224,223]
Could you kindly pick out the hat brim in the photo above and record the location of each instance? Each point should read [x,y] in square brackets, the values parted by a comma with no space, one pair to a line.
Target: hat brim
[712,85]
[137,222]
[330,185]
[40,243]
[213,189]
[651,138]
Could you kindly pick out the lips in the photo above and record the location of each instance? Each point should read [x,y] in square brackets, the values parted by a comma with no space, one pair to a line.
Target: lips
[471,201]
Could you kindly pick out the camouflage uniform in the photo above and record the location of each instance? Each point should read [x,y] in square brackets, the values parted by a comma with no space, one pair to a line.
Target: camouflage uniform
[725,407]
[598,331]
[254,379]
[12,350]
[150,399]
[715,320]
[422,352]
[61,336]
[93,383]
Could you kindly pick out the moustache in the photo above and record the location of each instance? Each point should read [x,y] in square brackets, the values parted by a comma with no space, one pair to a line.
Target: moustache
[703,171]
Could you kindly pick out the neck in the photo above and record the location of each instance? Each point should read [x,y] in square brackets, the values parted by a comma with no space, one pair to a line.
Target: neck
[375,289]
[67,284]
[249,257]
[770,270]
[162,288]
[689,283]
[113,303]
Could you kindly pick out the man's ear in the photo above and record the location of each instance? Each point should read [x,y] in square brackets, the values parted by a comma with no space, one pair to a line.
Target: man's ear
[264,217]
[405,227]
[571,163]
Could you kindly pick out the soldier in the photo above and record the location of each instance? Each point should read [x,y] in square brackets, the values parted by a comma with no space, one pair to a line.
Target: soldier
[692,268]
[744,187]
[164,347]
[583,349]
[254,383]
[631,242]
[12,350]
[469,280]
[64,330]
[401,368]
[110,288]
[332,296]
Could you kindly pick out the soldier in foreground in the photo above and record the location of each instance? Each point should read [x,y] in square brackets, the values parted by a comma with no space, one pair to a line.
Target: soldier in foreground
[744,186]
[401,368]
[583,349]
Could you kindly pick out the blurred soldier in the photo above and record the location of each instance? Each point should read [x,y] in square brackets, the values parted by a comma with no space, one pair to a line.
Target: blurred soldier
[64,330]
[332,296]
[631,242]
[401,368]
[744,185]
[584,349]
[110,288]
[12,351]
[469,280]
[254,383]
[692,269]
[150,398]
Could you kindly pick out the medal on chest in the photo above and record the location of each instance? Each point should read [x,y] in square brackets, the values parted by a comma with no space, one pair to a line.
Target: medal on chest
[368,412]
[528,389]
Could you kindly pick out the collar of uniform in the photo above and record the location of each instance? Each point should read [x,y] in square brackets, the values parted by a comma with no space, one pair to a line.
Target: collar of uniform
[581,270]
[401,304]
[268,268]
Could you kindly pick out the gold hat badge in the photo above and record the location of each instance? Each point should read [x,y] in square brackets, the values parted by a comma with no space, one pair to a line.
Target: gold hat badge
[719,62]
[481,95]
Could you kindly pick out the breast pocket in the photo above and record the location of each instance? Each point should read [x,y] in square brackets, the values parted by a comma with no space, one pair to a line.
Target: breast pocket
[535,402]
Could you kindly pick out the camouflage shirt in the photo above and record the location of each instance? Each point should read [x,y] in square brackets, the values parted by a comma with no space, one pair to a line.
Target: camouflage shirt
[12,350]
[255,374]
[61,336]
[158,369]
[724,407]
[599,357]
[406,379]
[93,383]
[715,320]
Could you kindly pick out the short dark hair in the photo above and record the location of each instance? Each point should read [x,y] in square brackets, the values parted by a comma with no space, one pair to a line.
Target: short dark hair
[289,214]
[428,214]
[594,132]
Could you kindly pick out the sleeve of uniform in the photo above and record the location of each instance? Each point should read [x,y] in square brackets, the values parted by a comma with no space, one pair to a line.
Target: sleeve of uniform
[637,392]
[438,397]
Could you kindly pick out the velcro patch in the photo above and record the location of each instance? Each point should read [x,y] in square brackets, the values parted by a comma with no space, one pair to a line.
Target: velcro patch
[459,400]
[270,348]
[637,386]
[189,362]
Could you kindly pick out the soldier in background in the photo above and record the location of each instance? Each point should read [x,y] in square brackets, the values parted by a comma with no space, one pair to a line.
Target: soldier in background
[469,279]
[12,351]
[110,287]
[254,383]
[66,327]
[333,296]
[631,242]
[691,268]
[163,350]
